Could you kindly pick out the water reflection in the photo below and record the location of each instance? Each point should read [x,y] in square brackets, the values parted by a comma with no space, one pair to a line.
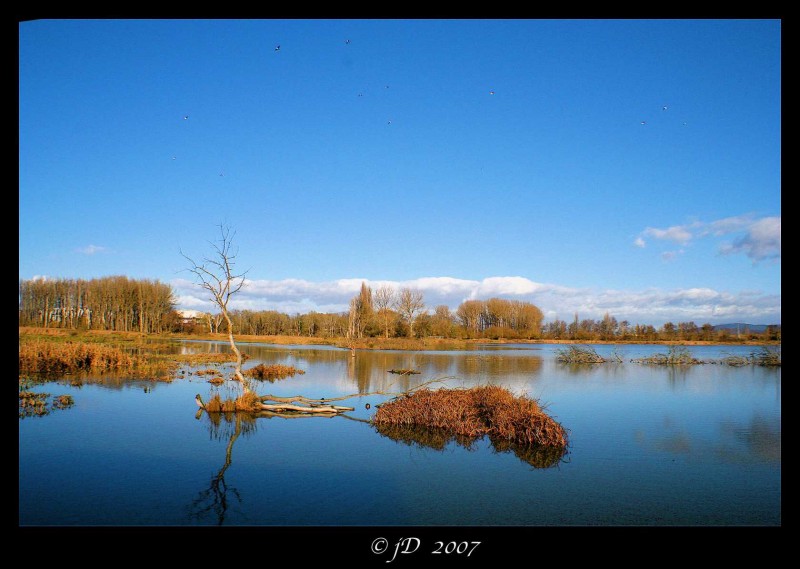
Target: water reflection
[213,502]
[438,439]
[739,442]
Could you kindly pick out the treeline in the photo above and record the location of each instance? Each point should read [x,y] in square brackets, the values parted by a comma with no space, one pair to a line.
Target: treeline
[109,303]
[122,304]
[393,313]
[609,329]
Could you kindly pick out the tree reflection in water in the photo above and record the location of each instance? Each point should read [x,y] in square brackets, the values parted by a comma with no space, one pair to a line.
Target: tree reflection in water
[214,501]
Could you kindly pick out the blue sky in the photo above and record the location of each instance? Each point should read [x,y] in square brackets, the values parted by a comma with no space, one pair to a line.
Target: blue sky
[466,158]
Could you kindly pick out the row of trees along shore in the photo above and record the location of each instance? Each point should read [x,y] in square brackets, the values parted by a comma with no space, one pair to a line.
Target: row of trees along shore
[109,303]
[123,304]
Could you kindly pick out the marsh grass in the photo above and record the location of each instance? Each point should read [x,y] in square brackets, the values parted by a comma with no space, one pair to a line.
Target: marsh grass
[49,357]
[248,402]
[485,410]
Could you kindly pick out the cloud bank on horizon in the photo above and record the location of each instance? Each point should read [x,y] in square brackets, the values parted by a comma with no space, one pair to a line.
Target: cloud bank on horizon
[648,306]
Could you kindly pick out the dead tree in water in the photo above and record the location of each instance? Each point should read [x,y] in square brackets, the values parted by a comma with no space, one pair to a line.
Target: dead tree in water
[216,275]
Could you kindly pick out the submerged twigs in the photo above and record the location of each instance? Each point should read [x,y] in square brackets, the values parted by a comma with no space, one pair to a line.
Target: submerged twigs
[579,355]
[676,355]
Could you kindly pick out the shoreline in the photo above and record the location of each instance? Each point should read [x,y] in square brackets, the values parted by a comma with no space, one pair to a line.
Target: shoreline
[374,343]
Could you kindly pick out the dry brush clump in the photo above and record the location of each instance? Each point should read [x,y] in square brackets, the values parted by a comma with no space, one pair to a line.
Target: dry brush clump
[579,355]
[474,412]
[51,357]
[766,356]
[676,355]
[248,402]
[272,372]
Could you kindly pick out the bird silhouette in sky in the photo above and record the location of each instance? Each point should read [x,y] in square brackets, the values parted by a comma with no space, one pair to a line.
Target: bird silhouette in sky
[491,92]
[643,122]
[664,108]
[346,42]
[186,117]
[278,47]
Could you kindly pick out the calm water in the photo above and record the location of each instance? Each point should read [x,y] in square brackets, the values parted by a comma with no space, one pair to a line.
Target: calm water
[649,446]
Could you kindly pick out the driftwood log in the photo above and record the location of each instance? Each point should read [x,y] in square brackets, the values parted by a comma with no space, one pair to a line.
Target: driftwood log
[301,406]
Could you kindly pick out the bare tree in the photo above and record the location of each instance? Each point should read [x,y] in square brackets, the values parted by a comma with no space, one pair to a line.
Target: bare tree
[383,299]
[216,275]
[409,304]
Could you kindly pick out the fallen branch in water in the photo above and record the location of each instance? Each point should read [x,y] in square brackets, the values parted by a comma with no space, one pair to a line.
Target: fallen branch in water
[296,405]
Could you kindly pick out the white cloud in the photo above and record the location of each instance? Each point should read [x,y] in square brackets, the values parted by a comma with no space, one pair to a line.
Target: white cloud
[649,306]
[762,240]
[678,233]
[91,249]
[758,238]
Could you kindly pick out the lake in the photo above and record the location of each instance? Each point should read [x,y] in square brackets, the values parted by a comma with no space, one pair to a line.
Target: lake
[649,445]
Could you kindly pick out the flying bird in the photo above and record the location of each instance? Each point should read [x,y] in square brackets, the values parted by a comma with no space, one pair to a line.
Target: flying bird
[278,47]
[173,157]
[346,42]
[664,108]
[491,92]
[643,122]
[186,117]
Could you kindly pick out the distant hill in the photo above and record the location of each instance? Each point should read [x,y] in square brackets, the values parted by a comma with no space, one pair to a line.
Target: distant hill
[741,326]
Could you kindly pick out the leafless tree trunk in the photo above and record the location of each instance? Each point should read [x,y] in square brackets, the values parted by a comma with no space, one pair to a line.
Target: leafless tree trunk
[216,275]
[384,299]
[409,304]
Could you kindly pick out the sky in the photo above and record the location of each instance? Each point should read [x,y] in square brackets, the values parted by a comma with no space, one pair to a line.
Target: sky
[590,166]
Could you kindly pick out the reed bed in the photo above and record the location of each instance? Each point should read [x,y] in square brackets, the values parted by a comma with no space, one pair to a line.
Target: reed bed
[272,372]
[579,355]
[50,357]
[676,355]
[474,412]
